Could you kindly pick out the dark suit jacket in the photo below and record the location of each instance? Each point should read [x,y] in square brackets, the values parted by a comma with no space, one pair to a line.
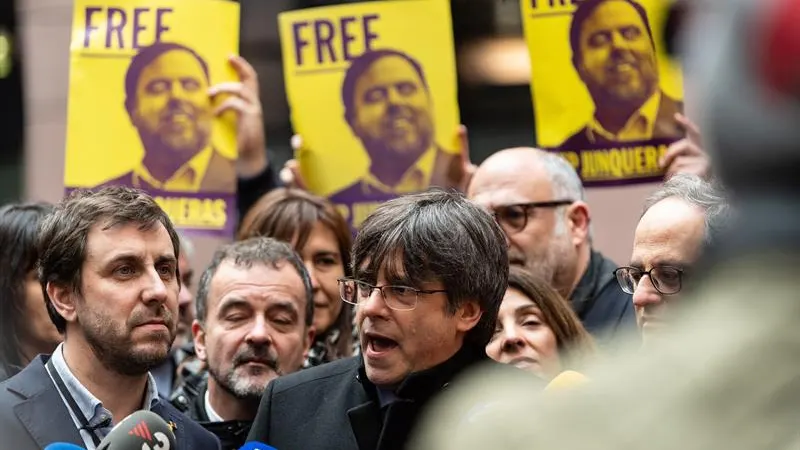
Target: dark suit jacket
[32,415]
[335,407]
[220,176]
[665,127]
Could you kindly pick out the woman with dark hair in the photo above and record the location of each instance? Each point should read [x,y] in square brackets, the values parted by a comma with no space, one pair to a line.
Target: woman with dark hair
[322,237]
[537,330]
[25,327]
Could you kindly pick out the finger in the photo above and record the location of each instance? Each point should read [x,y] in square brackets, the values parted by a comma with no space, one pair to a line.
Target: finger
[692,130]
[234,104]
[463,141]
[681,148]
[296,142]
[287,177]
[247,74]
[297,178]
[233,88]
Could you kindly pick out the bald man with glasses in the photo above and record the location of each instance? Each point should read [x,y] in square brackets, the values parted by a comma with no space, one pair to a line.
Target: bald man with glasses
[538,200]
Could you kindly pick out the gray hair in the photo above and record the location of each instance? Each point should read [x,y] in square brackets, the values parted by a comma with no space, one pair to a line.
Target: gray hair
[564,179]
[246,254]
[186,245]
[565,183]
[440,236]
[697,192]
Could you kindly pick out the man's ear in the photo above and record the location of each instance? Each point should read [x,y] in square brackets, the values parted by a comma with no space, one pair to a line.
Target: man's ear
[199,336]
[468,315]
[62,298]
[578,220]
[310,334]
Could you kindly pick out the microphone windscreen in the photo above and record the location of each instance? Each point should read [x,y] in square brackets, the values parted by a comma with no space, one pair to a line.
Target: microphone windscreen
[142,430]
[63,446]
[566,380]
[253,445]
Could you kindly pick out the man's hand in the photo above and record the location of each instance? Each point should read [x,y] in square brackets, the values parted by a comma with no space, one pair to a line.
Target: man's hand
[458,176]
[244,99]
[686,155]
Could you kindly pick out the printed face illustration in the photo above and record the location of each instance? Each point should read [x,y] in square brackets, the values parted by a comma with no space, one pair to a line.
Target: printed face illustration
[616,58]
[392,109]
[173,108]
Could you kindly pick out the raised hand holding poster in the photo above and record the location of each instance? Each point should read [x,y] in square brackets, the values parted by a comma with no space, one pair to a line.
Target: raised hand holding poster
[604,93]
[140,113]
[373,92]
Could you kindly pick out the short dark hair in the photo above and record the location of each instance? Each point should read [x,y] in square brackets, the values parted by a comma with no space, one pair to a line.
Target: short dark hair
[19,225]
[438,235]
[584,11]
[247,253]
[143,59]
[361,65]
[64,233]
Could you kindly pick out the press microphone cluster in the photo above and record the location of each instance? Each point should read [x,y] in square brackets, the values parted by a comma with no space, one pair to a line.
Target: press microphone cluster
[142,430]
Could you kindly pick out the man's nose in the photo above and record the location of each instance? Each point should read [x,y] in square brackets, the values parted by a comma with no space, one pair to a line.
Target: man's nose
[156,289]
[645,293]
[374,305]
[259,333]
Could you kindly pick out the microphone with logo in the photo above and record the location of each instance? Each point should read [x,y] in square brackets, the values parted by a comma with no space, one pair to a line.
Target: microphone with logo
[142,430]
[63,446]
[254,445]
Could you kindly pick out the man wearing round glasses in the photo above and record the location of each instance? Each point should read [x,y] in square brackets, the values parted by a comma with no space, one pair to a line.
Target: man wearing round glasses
[538,200]
[678,221]
[429,274]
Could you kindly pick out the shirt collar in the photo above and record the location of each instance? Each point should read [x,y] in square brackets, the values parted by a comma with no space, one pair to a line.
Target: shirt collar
[212,415]
[91,407]
[638,127]
[415,179]
[186,179]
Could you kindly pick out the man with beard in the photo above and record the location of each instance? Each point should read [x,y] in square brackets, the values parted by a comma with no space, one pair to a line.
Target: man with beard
[614,54]
[108,266]
[538,199]
[254,313]
[167,99]
[389,108]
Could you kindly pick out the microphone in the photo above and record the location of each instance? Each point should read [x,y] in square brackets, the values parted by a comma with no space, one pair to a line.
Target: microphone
[253,445]
[566,380]
[63,446]
[142,430]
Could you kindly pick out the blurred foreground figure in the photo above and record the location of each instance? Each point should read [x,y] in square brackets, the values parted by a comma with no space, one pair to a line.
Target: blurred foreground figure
[727,376]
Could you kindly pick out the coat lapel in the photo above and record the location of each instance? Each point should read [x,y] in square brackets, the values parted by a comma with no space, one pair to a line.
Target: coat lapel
[42,412]
[175,421]
[365,420]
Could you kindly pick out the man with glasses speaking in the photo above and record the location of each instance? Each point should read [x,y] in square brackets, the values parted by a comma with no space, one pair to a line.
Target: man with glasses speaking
[425,312]
[538,200]
[679,220]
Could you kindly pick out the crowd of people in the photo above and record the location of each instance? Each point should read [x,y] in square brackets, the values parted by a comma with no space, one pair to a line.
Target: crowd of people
[300,336]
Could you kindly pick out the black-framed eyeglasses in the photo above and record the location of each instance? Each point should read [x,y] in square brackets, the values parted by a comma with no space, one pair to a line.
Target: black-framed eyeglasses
[667,280]
[514,218]
[399,298]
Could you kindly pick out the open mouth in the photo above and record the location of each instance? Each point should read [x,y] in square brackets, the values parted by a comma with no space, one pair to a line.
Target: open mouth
[378,345]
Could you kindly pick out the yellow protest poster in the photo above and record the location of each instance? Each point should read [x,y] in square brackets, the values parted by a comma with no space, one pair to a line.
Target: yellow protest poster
[373,92]
[604,92]
[139,112]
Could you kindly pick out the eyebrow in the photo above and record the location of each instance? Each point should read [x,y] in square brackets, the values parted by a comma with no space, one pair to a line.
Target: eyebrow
[284,305]
[529,308]
[659,263]
[327,253]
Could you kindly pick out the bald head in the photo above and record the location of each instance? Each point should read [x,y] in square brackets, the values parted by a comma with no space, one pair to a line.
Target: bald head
[525,169]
